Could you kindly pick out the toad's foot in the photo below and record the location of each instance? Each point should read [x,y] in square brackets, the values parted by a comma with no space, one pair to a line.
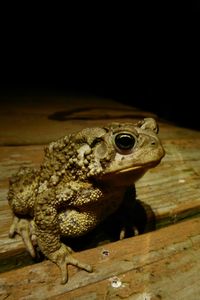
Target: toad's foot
[25,228]
[63,258]
[134,231]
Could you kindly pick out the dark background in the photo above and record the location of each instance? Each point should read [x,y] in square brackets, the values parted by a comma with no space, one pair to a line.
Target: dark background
[150,63]
[169,87]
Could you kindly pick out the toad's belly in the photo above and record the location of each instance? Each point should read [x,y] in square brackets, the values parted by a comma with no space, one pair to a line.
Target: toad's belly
[74,223]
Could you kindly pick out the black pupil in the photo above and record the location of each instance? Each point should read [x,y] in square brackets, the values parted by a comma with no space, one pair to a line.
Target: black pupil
[124,141]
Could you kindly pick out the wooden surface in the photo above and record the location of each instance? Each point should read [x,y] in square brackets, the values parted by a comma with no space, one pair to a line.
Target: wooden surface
[144,264]
[160,265]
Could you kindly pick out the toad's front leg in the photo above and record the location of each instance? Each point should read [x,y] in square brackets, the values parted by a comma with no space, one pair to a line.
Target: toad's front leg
[62,257]
[48,238]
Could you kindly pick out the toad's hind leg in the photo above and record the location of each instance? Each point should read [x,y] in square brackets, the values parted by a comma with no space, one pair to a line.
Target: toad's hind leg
[21,200]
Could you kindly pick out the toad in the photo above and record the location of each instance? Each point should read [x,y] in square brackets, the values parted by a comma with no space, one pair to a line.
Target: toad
[81,182]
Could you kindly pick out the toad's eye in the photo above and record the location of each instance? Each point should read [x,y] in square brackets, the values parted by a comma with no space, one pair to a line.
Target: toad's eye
[125,141]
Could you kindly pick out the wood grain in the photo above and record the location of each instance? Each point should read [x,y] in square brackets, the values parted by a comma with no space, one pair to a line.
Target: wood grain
[162,264]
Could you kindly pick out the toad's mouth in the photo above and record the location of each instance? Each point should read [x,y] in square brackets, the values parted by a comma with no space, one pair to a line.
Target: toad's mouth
[138,167]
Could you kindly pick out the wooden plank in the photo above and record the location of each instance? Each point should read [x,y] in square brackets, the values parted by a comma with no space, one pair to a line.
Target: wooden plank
[35,120]
[159,265]
[40,120]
